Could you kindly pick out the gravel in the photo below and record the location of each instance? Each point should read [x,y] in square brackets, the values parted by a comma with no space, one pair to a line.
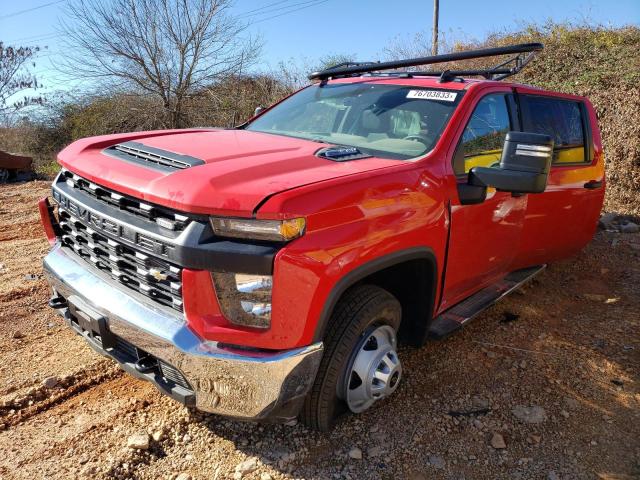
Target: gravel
[562,352]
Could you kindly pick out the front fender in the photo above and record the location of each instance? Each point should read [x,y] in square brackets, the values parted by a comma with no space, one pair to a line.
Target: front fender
[360,227]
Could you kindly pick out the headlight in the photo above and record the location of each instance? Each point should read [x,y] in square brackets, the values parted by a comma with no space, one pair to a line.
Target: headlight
[275,230]
[244,299]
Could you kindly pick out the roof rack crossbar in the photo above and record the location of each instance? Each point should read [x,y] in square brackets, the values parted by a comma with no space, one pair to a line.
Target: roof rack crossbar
[348,64]
[520,62]
[495,73]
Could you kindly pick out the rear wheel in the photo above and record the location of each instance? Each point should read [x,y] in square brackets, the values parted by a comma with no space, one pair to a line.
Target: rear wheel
[360,364]
[4,175]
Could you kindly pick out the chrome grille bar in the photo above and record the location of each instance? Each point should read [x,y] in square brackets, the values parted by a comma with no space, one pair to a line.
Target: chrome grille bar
[143,273]
[162,216]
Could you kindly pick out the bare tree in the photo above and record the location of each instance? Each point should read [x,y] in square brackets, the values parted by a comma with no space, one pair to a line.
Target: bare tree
[165,48]
[15,79]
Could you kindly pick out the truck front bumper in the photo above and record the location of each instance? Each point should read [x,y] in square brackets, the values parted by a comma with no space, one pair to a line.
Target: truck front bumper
[155,344]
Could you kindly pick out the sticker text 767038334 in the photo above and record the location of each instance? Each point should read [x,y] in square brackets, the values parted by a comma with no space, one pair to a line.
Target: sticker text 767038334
[433,95]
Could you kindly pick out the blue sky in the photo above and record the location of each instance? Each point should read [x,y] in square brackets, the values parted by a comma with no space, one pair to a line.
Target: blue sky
[312,28]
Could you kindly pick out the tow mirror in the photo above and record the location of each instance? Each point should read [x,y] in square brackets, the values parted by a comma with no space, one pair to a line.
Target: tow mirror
[524,166]
[259,109]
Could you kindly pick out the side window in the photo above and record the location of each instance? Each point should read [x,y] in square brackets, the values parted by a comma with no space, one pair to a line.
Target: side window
[483,137]
[562,119]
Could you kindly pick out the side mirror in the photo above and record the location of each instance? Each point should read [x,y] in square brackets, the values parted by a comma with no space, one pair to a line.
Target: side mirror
[259,109]
[524,166]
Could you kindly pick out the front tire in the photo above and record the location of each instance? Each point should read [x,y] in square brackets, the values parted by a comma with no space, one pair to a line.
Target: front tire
[360,364]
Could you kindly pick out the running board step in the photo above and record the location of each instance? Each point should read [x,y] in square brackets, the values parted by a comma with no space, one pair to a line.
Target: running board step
[456,317]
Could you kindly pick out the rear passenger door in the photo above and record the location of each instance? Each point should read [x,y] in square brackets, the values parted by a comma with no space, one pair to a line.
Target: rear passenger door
[560,221]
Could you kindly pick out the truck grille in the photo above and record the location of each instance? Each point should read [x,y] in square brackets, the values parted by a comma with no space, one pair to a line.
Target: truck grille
[148,275]
[164,217]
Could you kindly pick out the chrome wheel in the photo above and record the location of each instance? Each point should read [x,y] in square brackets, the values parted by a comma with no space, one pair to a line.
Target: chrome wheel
[374,370]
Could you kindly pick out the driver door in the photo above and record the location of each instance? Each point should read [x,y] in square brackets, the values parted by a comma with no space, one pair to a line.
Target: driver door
[484,237]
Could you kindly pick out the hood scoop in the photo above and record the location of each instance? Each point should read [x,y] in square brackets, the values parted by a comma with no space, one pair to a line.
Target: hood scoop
[341,153]
[151,157]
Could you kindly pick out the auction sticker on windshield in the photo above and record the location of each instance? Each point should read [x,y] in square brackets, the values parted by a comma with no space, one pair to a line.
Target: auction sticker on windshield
[432,95]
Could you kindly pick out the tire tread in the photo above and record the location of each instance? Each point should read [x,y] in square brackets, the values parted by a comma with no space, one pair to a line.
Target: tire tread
[342,331]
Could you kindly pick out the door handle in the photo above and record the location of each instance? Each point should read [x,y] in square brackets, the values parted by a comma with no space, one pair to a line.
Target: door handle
[593,184]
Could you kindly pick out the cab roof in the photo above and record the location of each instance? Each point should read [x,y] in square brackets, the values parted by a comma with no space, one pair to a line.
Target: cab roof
[414,80]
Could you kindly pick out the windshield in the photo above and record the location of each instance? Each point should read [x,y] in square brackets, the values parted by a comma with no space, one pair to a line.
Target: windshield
[389,121]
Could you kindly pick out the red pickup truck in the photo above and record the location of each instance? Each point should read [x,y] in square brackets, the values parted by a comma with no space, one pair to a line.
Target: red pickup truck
[269,271]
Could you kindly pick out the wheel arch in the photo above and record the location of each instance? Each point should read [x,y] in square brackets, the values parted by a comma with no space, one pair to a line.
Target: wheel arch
[415,268]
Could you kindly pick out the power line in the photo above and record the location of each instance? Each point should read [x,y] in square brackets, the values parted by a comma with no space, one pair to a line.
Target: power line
[255,12]
[316,3]
[282,8]
[20,12]
[35,38]
[264,7]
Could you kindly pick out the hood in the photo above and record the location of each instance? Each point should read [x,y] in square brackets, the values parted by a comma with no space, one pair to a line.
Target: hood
[233,172]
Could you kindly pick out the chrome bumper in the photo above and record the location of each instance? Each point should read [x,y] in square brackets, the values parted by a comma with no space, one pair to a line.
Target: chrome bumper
[249,385]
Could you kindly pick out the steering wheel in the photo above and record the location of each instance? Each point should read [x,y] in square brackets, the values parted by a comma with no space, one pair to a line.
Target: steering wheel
[417,138]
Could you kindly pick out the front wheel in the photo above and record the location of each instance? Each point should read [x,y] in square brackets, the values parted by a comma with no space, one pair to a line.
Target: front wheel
[360,364]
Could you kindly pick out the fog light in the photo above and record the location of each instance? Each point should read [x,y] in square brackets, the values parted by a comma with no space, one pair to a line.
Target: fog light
[244,299]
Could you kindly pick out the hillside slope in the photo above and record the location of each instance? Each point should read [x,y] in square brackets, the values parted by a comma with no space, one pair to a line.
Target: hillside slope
[604,65]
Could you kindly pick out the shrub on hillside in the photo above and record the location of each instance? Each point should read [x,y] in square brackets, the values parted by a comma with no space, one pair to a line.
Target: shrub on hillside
[601,63]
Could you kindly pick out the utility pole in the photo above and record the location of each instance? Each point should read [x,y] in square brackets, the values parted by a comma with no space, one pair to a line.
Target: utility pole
[434,34]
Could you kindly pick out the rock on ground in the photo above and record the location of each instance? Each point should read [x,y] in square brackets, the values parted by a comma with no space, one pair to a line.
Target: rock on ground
[374,452]
[437,462]
[50,382]
[138,441]
[531,414]
[497,441]
[629,227]
[246,467]
[355,453]
[606,220]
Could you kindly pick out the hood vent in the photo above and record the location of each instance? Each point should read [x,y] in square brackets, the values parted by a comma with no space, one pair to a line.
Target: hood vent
[341,153]
[152,157]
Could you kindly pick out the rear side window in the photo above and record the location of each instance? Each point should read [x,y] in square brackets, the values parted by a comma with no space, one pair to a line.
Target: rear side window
[563,120]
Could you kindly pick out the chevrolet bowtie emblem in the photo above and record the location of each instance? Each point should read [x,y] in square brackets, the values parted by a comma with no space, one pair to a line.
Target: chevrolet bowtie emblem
[157,274]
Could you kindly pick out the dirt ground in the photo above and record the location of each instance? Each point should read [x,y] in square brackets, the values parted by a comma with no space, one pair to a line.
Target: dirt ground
[553,371]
